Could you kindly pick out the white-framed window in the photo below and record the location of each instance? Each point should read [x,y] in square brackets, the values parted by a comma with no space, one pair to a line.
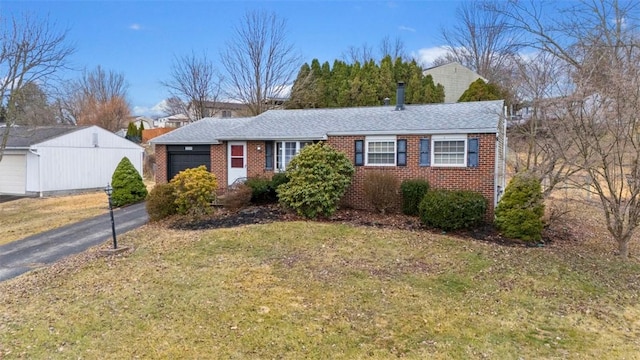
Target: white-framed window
[286,150]
[380,151]
[226,113]
[448,150]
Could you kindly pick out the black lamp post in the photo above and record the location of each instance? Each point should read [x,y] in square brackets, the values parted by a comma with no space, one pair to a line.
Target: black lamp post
[109,191]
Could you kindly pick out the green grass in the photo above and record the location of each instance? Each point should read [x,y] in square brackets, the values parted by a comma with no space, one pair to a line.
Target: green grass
[302,290]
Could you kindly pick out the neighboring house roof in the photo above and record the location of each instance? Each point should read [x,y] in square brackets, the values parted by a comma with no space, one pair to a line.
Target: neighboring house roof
[22,137]
[458,118]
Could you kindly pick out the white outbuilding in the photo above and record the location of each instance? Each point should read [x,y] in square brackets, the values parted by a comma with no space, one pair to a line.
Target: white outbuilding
[62,159]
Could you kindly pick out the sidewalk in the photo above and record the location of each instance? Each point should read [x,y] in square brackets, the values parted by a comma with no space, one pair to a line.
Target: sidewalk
[23,255]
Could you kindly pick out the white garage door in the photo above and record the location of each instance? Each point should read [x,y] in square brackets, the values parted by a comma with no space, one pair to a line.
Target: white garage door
[13,171]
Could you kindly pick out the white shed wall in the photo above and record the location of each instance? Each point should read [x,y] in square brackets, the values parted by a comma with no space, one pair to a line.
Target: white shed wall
[81,160]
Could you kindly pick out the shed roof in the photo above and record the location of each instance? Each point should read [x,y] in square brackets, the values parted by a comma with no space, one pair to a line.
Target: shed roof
[457,118]
[21,137]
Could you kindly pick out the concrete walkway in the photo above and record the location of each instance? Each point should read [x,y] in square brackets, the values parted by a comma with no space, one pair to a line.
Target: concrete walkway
[23,255]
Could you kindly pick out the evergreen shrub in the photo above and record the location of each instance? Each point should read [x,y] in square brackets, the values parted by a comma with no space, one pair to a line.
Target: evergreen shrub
[260,189]
[128,187]
[318,178]
[521,208]
[413,192]
[381,190]
[161,202]
[452,210]
[195,191]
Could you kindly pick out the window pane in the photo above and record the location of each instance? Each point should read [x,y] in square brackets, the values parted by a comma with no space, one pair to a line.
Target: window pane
[381,152]
[449,152]
[237,162]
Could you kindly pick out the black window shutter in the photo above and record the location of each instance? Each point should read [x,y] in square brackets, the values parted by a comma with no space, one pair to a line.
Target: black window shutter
[425,157]
[268,155]
[472,152]
[402,152]
[359,157]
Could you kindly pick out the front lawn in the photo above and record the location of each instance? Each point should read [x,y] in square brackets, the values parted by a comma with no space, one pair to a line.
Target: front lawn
[299,290]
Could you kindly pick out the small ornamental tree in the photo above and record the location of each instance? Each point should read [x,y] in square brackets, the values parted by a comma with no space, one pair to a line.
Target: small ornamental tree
[128,187]
[194,190]
[318,177]
[519,213]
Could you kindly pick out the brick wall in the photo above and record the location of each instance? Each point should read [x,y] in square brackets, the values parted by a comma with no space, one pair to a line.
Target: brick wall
[161,163]
[480,179]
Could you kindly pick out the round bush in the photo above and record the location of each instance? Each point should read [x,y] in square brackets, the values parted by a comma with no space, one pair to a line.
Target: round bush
[128,187]
[195,191]
[521,208]
[318,178]
[413,192]
[260,189]
[381,190]
[161,202]
[452,210]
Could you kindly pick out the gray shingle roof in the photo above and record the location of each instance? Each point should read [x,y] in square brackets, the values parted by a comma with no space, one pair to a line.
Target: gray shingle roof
[458,118]
[204,131]
[25,136]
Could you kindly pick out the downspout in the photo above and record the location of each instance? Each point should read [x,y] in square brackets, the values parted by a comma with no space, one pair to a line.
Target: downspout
[34,152]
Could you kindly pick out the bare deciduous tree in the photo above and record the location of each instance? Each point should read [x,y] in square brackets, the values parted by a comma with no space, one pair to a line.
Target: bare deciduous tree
[394,48]
[175,105]
[31,51]
[98,98]
[259,60]
[196,83]
[598,44]
[482,40]
[362,54]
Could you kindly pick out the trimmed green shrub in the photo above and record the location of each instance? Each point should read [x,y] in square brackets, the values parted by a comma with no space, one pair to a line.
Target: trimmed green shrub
[381,190]
[276,180]
[521,208]
[195,191]
[413,192]
[318,178]
[161,202]
[260,187]
[128,187]
[452,210]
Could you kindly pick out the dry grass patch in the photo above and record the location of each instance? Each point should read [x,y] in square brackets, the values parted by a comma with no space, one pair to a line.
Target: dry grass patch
[28,216]
[315,290]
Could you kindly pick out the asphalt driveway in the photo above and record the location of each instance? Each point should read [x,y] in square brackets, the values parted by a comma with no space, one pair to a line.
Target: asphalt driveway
[23,255]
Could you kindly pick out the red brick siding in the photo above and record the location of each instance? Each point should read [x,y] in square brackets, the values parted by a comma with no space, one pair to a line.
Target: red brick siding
[480,179]
[161,164]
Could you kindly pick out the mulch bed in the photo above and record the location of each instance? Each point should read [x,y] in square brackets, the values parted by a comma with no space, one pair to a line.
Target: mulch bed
[270,213]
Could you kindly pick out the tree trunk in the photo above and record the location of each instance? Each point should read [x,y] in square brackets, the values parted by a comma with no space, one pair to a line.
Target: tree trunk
[623,248]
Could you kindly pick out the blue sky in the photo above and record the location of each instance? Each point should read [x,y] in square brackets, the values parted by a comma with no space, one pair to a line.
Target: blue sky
[140,38]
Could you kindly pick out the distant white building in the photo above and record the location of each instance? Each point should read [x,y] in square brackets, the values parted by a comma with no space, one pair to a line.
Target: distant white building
[454,77]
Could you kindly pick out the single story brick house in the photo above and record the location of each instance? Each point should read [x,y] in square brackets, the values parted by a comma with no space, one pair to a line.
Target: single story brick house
[458,146]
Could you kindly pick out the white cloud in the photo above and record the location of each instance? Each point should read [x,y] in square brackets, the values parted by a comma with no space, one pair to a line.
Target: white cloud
[406,28]
[154,111]
[426,56]
[135,27]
